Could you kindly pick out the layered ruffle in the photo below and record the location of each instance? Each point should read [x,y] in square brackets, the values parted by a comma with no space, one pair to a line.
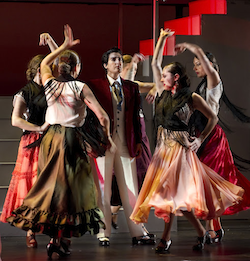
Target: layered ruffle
[52,223]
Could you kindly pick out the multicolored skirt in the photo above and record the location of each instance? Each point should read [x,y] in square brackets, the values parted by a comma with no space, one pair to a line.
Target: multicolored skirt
[217,155]
[177,181]
[23,176]
[63,200]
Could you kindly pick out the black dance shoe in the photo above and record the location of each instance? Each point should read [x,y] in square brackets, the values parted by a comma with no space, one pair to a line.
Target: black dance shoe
[219,235]
[200,243]
[165,249]
[114,224]
[104,241]
[52,248]
[65,243]
[208,238]
[144,240]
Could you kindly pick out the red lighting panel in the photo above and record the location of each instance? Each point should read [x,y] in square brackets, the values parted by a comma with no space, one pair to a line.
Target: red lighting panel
[190,25]
[208,7]
[147,46]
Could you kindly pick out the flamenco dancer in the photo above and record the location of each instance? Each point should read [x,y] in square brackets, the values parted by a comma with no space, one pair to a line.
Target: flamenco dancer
[62,202]
[215,151]
[177,183]
[30,117]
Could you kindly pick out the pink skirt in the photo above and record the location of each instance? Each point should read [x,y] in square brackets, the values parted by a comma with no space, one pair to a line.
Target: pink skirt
[23,176]
[178,181]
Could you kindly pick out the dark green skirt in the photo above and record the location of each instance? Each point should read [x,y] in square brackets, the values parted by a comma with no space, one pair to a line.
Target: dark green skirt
[63,199]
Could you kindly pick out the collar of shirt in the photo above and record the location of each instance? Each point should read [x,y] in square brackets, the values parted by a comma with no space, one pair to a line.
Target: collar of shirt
[111,81]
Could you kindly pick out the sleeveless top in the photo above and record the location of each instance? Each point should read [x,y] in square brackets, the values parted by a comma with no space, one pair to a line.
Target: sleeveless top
[65,106]
[33,95]
[174,111]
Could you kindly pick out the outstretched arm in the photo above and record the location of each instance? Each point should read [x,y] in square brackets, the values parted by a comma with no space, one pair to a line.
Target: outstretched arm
[157,59]
[68,43]
[213,77]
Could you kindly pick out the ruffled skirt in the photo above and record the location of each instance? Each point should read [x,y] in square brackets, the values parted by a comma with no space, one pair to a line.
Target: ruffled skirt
[63,200]
[217,155]
[23,176]
[177,181]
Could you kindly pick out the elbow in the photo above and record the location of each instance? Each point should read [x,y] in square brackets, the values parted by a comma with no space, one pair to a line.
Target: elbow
[14,122]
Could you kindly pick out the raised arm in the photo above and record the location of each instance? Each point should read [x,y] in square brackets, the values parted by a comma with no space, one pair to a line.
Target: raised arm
[129,71]
[157,59]
[69,42]
[213,77]
[46,39]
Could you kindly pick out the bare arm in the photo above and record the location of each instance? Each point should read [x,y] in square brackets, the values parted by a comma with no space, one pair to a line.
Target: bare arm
[18,121]
[69,42]
[213,77]
[46,39]
[129,71]
[157,59]
[200,104]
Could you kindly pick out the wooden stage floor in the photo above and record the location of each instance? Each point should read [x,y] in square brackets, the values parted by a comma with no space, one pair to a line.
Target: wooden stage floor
[235,246]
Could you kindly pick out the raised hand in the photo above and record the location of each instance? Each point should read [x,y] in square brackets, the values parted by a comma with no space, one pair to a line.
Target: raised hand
[44,39]
[166,32]
[69,39]
[180,48]
[138,57]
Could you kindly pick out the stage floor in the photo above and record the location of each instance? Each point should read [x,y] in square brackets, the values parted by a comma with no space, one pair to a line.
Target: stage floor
[235,246]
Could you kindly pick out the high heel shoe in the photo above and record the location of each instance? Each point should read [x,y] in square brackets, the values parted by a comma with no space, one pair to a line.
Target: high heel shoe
[209,239]
[65,243]
[52,248]
[219,235]
[200,243]
[31,241]
[165,248]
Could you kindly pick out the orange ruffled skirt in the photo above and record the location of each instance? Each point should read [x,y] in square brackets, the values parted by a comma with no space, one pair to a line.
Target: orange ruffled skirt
[178,181]
[23,176]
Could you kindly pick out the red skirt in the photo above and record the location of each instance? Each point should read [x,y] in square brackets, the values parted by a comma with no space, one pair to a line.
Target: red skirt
[23,176]
[217,155]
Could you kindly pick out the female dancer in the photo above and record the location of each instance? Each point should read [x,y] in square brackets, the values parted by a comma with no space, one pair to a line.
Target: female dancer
[215,152]
[177,183]
[62,203]
[25,172]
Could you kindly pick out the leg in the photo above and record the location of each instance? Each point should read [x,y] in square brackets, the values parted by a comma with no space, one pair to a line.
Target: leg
[115,203]
[126,176]
[105,166]
[165,242]
[199,229]
[210,228]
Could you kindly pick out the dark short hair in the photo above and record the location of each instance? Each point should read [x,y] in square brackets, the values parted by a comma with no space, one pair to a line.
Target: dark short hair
[105,56]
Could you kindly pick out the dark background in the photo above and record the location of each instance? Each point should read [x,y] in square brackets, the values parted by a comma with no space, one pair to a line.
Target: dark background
[95,23]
